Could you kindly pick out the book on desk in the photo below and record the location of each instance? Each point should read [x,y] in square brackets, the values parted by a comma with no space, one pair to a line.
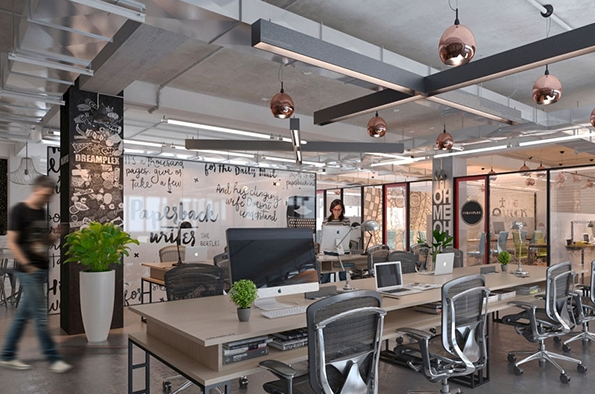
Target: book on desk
[290,339]
[245,349]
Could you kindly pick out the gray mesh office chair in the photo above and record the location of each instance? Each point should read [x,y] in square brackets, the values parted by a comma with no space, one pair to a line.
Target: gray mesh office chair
[502,239]
[459,255]
[170,253]
[191,280]
[377,254]
[408,260]
[584,312]
[461,347]
[479,254]
[344,334]
[545,319]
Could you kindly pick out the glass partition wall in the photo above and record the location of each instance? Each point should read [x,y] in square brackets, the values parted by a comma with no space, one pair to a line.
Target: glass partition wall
[420,212]
[395,205]
[471,237]
[373,210]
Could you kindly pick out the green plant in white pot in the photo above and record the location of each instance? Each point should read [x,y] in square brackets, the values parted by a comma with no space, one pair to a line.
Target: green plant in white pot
[243,293]
[98,247]
[504,259]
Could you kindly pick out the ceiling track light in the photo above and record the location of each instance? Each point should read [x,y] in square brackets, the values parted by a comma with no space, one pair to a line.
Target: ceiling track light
[444,140]
[457,44]
[377,126]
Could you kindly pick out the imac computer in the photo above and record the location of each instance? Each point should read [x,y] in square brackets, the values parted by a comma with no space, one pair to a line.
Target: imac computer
[335,239]
[280,261]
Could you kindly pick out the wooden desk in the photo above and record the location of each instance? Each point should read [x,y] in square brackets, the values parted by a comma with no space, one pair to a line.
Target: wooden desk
[580,246]
[188,334]
[156,276]
[330,263]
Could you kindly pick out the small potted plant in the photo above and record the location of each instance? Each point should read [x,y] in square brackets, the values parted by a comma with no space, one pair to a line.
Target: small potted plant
[98,247]
[504,259]
[243,293]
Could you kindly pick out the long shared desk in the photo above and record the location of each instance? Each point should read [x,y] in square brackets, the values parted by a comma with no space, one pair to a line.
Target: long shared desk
[188,335]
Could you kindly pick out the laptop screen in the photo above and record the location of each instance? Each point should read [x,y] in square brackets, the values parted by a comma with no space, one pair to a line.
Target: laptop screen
[388,274]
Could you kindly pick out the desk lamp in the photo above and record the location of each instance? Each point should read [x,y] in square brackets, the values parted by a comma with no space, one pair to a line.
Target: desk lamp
[339,250]
[369,226]
[179,239]
[519,271]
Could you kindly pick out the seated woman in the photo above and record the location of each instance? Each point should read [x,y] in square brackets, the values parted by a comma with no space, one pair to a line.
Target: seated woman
[337,217]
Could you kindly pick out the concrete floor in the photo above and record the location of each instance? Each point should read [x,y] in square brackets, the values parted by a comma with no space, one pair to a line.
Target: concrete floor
[102,368]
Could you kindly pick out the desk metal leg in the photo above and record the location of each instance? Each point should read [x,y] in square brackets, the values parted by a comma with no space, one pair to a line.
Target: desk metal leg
[143,292]
[132,367]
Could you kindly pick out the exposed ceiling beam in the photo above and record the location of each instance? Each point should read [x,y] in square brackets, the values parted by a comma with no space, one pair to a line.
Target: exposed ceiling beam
[311,146]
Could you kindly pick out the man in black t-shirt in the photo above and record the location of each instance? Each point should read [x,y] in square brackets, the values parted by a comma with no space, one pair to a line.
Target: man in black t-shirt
[28,240]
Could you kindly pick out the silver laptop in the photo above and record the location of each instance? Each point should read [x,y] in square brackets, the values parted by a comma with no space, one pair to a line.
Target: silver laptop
[195,254]
[444,264]
[389,279]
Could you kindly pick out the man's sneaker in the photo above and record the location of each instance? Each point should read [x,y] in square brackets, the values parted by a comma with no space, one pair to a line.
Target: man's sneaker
[14,364]
[60,366]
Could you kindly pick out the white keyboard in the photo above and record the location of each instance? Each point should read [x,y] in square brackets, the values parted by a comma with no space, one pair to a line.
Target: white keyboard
[295,310]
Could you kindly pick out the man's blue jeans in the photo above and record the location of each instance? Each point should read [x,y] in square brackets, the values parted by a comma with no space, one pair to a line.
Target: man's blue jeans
[31,306]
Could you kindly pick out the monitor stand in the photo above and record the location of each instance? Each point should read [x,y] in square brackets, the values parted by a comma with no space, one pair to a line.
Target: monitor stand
[270,304]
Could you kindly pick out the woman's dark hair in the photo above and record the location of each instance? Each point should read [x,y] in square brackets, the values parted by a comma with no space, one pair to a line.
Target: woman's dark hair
[334,204]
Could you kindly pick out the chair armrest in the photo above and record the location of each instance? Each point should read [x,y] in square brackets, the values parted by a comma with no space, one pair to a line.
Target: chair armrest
[278,368]
[415,333]
[523,305]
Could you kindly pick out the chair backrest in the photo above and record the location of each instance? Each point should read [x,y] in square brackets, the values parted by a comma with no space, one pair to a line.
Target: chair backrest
[464,312]
[408,260]
[224,265]
[482,244]
[592,293]
[345,334]
[538,237]
[375,248]
[558,290]
[170,253]
[220,257]
[193,280]
[502,239]
[458,263]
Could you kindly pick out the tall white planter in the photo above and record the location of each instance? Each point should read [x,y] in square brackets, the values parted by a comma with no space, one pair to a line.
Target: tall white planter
[97,303]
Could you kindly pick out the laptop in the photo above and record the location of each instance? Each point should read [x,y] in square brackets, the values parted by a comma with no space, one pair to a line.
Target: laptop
[195,254]
[444,264]
[389,280]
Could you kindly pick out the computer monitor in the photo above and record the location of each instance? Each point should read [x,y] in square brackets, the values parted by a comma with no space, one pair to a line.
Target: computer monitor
[333,236]
[280,261]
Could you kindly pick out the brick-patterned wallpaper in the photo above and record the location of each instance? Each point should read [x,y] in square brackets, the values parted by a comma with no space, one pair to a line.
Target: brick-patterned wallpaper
[420,207]
[373,211]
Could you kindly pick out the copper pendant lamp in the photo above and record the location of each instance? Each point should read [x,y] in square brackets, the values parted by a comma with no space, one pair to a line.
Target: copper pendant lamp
[547,89]
[529,181]
[282,106]
[457,44]
[492,174]
[542,172]
[593,118]
[524,168]
[377,126]
[444,141]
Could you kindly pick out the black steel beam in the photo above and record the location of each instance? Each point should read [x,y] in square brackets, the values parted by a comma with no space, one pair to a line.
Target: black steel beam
[345,147]
[242,145]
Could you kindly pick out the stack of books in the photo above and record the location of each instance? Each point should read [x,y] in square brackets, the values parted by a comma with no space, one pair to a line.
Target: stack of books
[435,308]
[245,349]
[290,339]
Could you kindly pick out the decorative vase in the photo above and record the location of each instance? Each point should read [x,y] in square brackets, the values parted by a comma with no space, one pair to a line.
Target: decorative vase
[97,292]
[244,314]
[504,267]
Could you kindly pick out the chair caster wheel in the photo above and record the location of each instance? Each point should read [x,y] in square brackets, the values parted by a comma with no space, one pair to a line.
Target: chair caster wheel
[566,348]
[243,381]
[581,368]
[541,363]
[511,358]
[557,340]
[166,386]
[399,340]
[518,371]
[433,330]
[564,378]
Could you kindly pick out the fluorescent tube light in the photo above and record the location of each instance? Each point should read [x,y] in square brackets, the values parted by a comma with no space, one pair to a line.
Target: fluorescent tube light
[398,162]
[470,110]
[143,143]
[49,64]
[557,139]
[128,150]
[220,152]
[115,9]
[223,129]
[471,151]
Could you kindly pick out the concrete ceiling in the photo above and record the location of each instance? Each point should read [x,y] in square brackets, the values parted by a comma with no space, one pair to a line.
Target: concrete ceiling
[193,61]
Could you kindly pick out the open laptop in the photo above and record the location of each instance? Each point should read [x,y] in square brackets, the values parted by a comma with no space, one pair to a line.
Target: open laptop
[389,280]
[444,264]
[195,254]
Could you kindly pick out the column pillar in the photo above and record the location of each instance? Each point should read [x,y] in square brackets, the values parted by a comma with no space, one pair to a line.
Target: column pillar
[443,203]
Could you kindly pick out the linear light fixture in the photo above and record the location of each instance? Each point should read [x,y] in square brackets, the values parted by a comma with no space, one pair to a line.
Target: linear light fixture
[224,153]
[471,151]
[282,41]
[294,128]
[470,110]
[285,160]
[46,63]
[31,96]
[399,162]
[557,139]
[224,130]
[143,143]
[115,9]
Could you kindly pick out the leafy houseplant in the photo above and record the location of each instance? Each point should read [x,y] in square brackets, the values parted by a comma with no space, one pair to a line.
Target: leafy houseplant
[243,293]
[504,259]
[97,247]
[441,241]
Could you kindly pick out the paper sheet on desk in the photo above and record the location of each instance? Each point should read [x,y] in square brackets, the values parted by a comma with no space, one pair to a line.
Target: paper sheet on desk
[424,286]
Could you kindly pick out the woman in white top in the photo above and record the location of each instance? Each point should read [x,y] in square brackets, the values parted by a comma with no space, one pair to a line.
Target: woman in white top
[337,216]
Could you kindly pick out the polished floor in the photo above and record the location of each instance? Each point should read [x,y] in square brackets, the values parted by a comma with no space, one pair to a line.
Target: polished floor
[102,368]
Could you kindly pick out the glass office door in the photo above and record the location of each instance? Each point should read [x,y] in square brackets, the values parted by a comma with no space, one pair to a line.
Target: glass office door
[470,223]
[395,212]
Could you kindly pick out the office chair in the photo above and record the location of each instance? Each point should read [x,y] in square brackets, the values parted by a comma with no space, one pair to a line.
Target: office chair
[479,254]
[538,238]
[459,255]
[377,254]
[170,253]
[545,319]
[344,334]
[191,280]
[502,239]
[584,312]
[461,347]
[408,260]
